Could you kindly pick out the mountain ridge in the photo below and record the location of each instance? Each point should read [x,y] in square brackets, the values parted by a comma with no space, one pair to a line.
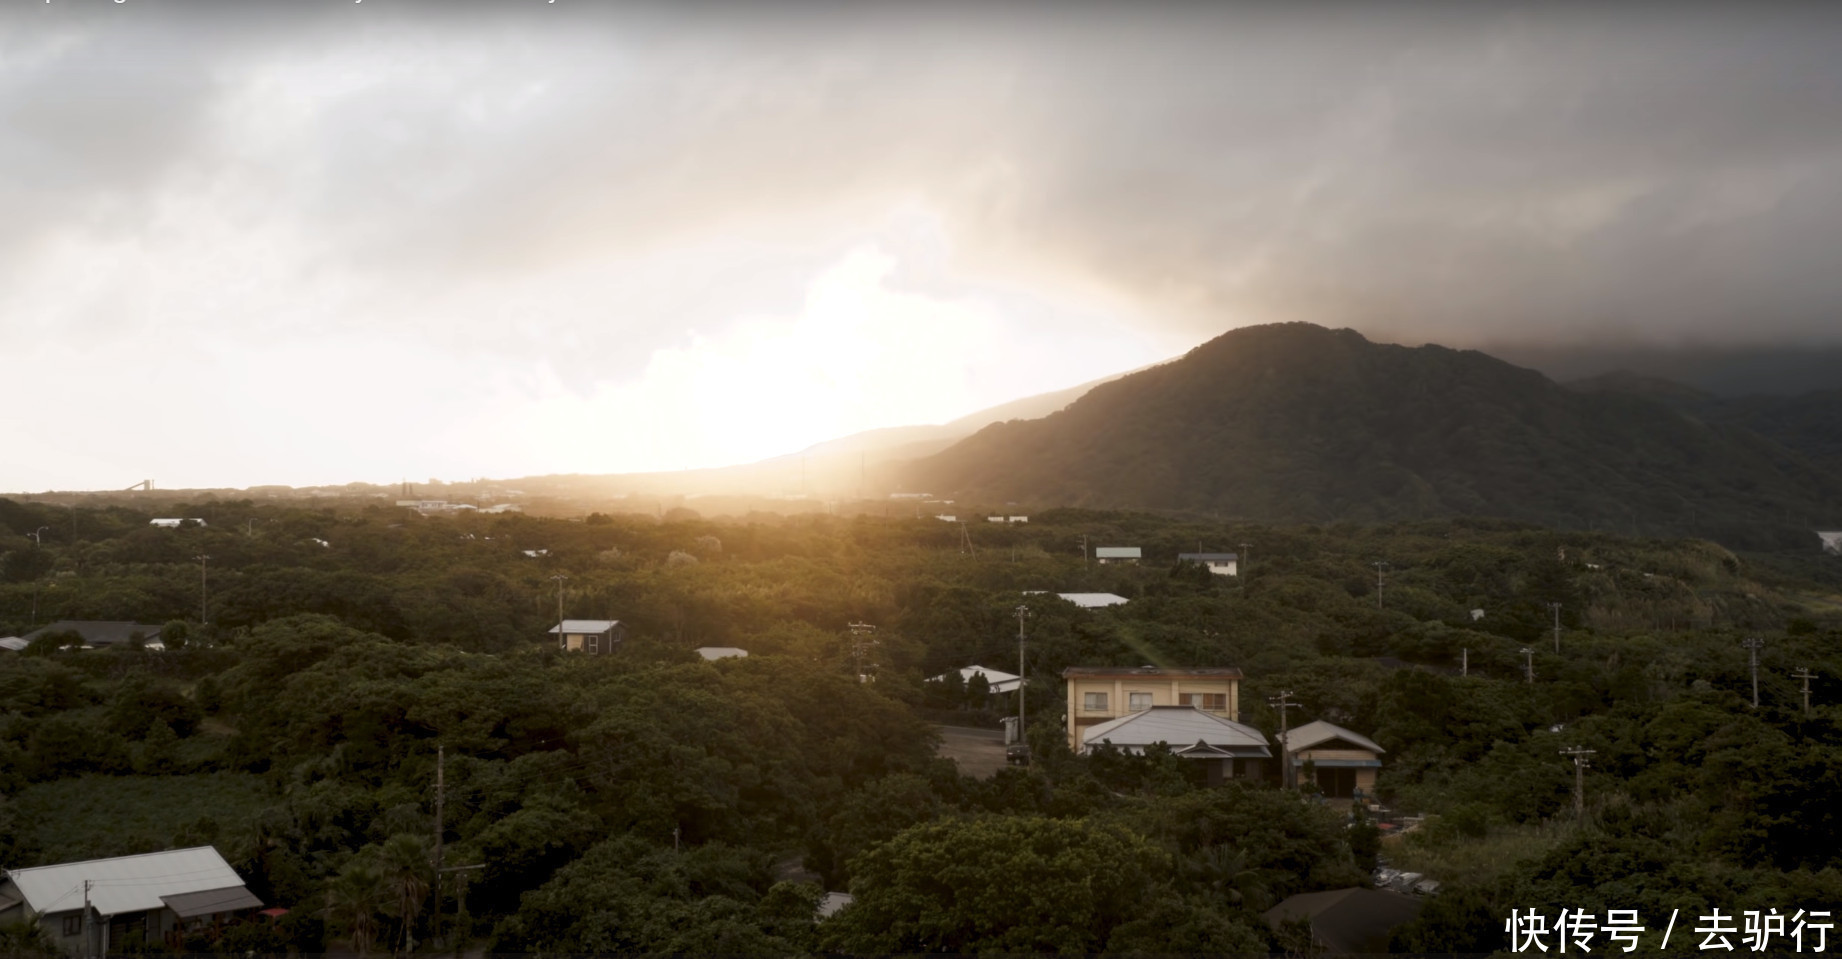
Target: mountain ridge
[1294,422]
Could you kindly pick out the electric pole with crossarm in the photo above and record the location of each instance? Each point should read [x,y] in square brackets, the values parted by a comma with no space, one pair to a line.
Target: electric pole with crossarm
[1579,778]
[1753,644]
[1282,702]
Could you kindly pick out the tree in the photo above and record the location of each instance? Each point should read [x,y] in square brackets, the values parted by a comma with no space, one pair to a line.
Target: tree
[353,900]
[998,884]
[407,875]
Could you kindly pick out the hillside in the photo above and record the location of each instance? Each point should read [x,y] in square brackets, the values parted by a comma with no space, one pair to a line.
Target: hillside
[1295,422]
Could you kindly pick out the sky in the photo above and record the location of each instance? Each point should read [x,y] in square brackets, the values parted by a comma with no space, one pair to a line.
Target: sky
[321,242]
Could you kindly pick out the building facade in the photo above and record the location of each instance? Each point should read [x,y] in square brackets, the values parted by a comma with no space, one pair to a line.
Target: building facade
[1097,694]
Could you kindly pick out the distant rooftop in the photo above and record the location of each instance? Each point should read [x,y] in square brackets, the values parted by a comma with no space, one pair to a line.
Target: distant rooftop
[587,625]
[1209,672]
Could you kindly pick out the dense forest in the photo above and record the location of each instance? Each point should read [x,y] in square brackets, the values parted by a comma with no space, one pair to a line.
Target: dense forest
[321,663]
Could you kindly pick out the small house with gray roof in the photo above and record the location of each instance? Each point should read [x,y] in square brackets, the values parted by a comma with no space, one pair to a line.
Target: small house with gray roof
[99,906]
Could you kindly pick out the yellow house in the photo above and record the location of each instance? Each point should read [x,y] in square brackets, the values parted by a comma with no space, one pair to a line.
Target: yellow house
[1097,694]
[1344,761]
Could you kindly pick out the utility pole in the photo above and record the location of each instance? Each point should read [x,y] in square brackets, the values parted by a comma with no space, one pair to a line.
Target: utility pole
[1241,565]
[862,639]
[89,934]
[1464,662]
[1084,550]
[559,579]
[440,797]
[1282,702]
[1806,675]
[1023,612]
[204,607]
[1579,779]
[1380,566]
[1753,644]
[1528,663]
[1556,607]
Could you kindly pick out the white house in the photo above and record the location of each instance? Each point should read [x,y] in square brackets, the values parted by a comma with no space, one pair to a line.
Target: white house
[161,895]
[174,522]
[1085,600]
[1232,750]
[1221,564]
[1000,681]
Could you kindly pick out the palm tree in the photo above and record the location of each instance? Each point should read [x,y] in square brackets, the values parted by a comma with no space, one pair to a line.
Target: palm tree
[353,899]
[407,873]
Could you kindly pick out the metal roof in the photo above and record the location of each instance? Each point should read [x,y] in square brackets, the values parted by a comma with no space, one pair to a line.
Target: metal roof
[1151,672]
[1177,726]
[1118,552]
[1319,732]
[1207,557]
[185,905]
[13,643]
[126,883]
[99,633]
[1000,681]
[722,652]
[1093,600]
[587,625]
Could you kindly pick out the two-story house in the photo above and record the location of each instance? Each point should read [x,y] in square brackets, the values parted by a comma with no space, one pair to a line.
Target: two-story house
[1097,694]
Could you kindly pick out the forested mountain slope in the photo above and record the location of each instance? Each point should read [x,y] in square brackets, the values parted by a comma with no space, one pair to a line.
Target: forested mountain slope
[1295,422]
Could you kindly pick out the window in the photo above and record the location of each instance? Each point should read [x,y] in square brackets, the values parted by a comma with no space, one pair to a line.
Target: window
[594,644]
[73,925]
[1139,701]
[1094,702]
[1209,702]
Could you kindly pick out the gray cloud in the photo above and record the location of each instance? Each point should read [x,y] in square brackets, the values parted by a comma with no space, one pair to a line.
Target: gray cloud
[1438,172]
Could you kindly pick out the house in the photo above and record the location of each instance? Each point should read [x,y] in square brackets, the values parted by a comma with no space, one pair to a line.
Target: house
[1117,554]
[1085,600]
[1231,750]
[598,636]
[1221,564]
[13,644]
[714,653]
[1344,761]
[1832,541]
[174,522]
[1097,694]
[1346,922]
[98,634]
[1001,682]
[163,896]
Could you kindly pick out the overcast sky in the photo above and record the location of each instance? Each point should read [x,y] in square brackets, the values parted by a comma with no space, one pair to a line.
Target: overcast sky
[322,241]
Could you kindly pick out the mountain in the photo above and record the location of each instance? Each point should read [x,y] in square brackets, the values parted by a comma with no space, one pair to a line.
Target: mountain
[1294,422]
[1808,423]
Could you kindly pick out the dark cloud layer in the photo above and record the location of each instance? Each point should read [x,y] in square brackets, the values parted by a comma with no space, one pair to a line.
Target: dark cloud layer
[1464,174]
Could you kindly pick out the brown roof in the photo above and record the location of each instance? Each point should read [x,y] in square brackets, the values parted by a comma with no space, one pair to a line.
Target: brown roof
[1207,672]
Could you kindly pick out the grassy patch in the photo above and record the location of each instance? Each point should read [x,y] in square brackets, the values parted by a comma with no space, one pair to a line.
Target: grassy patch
[91,817]
[1473,862]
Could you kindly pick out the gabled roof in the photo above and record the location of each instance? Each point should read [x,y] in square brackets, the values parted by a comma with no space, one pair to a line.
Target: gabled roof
[1349,921]
[125,883]
[99,633]
[1184,727]
[587,625]
[1001,681]
[1314,734]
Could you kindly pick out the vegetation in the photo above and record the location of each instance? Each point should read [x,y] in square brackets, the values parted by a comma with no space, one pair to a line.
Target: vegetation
[1299,423]
[651,802]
